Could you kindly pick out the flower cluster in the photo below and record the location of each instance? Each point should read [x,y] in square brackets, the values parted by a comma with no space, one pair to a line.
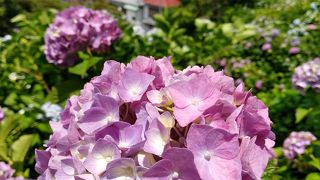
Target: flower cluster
[269,37]
[76,29]
[307,75]
[6,172]
[239,64]
[144,120]
[296,142]
[301,27]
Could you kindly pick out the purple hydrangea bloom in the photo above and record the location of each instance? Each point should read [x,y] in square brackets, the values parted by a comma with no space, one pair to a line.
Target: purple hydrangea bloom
[77,29]
[258,84]
[296,142]
[6,172]
[295,41]
[144,120]
[266,47]
[222,63]
[307,75]
[275,33]
[1,113]
[294,50]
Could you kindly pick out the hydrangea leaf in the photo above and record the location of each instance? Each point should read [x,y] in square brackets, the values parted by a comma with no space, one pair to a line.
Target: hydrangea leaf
[313,176]
[21,147]
[301,113]
[82,68]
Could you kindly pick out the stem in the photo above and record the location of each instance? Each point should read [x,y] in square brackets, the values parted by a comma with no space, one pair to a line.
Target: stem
[127,111]
[177,131]
[186,131]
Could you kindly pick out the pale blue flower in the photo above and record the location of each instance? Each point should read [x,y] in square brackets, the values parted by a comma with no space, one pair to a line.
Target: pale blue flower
[51,111]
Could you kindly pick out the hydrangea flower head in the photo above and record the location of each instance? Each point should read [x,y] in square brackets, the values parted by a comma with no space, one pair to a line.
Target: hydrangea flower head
[294,50]
[145,120]
[6,172]
[307,75]
[77,29]
[296,143]
[258,84]
[295,41]
[274,33]
[266,47]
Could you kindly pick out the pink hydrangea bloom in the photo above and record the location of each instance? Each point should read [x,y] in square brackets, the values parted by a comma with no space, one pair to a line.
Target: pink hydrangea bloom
[312,27]
[296,143]
[274,33]
[258,84]
[307,75]
[77,29]
[294,50]
[266,47]
[144,120]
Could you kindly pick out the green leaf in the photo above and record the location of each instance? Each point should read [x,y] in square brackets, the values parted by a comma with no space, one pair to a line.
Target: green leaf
[179,32]
[27,99]
[44,127]
[84,56]
[313,176]
[19,17]
[202,23]
[11,99]
[4,152]
[44,19]
[53,95]
[162,22]
[245,34]
[87,63]
[227,29]
[6,126]
[315,162]
[21,146]
[302,113]
[278,151]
